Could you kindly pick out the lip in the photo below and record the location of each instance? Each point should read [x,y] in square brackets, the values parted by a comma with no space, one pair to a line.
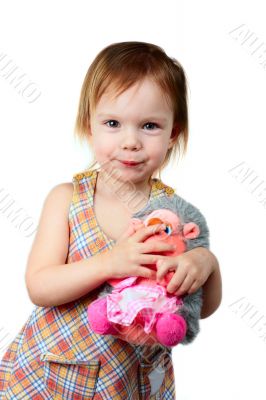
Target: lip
[130,163]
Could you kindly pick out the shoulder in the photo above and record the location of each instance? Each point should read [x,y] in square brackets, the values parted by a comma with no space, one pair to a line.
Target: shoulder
[60,195]
[63,190]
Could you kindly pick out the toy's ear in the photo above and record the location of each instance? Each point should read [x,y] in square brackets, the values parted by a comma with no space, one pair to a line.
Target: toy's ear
[191,230]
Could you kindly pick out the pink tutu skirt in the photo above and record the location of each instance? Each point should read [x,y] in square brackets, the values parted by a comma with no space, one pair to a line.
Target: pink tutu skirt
[125,303]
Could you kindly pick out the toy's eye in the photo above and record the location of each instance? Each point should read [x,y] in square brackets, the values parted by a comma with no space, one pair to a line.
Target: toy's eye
[168,229]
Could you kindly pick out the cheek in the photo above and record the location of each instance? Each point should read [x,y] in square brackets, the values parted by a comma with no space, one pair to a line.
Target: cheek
[103,145]
[157,150]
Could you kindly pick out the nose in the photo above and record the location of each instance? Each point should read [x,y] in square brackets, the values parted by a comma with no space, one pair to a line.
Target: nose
[130,140]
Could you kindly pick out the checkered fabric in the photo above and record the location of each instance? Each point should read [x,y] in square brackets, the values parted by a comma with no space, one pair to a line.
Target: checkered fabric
[55,355]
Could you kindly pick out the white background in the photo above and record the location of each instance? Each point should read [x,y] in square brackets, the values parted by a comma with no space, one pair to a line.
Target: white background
[54,44]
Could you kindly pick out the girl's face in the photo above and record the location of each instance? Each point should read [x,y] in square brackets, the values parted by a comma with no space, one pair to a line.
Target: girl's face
[136,127]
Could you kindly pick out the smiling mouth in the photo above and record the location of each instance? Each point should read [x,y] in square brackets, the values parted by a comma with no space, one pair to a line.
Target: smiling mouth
[130,163]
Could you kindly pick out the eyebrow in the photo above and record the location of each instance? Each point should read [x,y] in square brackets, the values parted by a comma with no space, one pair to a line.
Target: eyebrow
[101,115]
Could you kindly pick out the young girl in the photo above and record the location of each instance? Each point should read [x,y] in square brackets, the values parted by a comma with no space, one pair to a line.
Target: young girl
[133,112]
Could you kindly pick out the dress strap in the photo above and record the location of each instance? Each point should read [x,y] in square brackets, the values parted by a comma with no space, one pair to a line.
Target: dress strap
[162,187]
[83,186]
[80,175]
[80,180]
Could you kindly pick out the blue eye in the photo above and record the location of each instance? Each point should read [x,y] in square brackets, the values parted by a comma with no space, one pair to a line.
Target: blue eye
[168,230]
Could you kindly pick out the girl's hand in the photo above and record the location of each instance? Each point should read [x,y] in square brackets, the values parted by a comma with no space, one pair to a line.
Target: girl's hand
[192,269]
[134,226]
[129,253]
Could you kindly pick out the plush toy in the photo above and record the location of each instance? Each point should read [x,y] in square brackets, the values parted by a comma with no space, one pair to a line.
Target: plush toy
[144,303]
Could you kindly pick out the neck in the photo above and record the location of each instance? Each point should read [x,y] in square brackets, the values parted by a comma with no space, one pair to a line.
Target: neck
[114,190]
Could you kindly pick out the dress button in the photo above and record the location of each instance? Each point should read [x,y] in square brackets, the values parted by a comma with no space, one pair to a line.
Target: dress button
[169,190]
[159,185]
[79,176]
[87,173]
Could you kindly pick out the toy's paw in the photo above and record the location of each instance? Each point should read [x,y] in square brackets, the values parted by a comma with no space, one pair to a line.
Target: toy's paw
[170,329]
[97,317]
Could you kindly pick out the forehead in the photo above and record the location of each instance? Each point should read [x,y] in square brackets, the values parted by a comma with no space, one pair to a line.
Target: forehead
[145,95]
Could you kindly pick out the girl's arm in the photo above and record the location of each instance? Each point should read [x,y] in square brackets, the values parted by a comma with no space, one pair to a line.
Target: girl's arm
[54,285]
[49,281]
[195,268]
[212,288]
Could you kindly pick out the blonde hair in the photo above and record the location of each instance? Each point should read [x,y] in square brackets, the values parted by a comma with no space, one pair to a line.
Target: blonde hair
[123,64]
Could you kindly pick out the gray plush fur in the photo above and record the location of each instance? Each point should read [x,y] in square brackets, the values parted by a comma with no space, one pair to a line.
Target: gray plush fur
[191,309]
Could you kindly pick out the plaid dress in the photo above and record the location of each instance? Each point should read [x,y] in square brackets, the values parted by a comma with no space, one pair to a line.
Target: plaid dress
[55,355]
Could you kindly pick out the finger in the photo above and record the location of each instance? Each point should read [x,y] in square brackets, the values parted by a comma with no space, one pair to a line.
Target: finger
[194,287]
[173,287]
[150,258]
[134,226]
[165,265]
[163,270]
[146,273]
[137,223]
[156,245]
[177,280]
[147,231]
[129,232]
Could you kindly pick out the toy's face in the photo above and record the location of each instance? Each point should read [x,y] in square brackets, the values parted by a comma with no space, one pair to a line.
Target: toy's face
[173,233]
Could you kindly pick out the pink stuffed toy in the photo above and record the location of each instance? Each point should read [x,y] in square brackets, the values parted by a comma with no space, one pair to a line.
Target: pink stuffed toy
[144,301]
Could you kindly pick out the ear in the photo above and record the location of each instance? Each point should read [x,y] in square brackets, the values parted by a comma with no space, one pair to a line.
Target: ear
[174,134]
[191,230]
[89,134]
[170,144]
